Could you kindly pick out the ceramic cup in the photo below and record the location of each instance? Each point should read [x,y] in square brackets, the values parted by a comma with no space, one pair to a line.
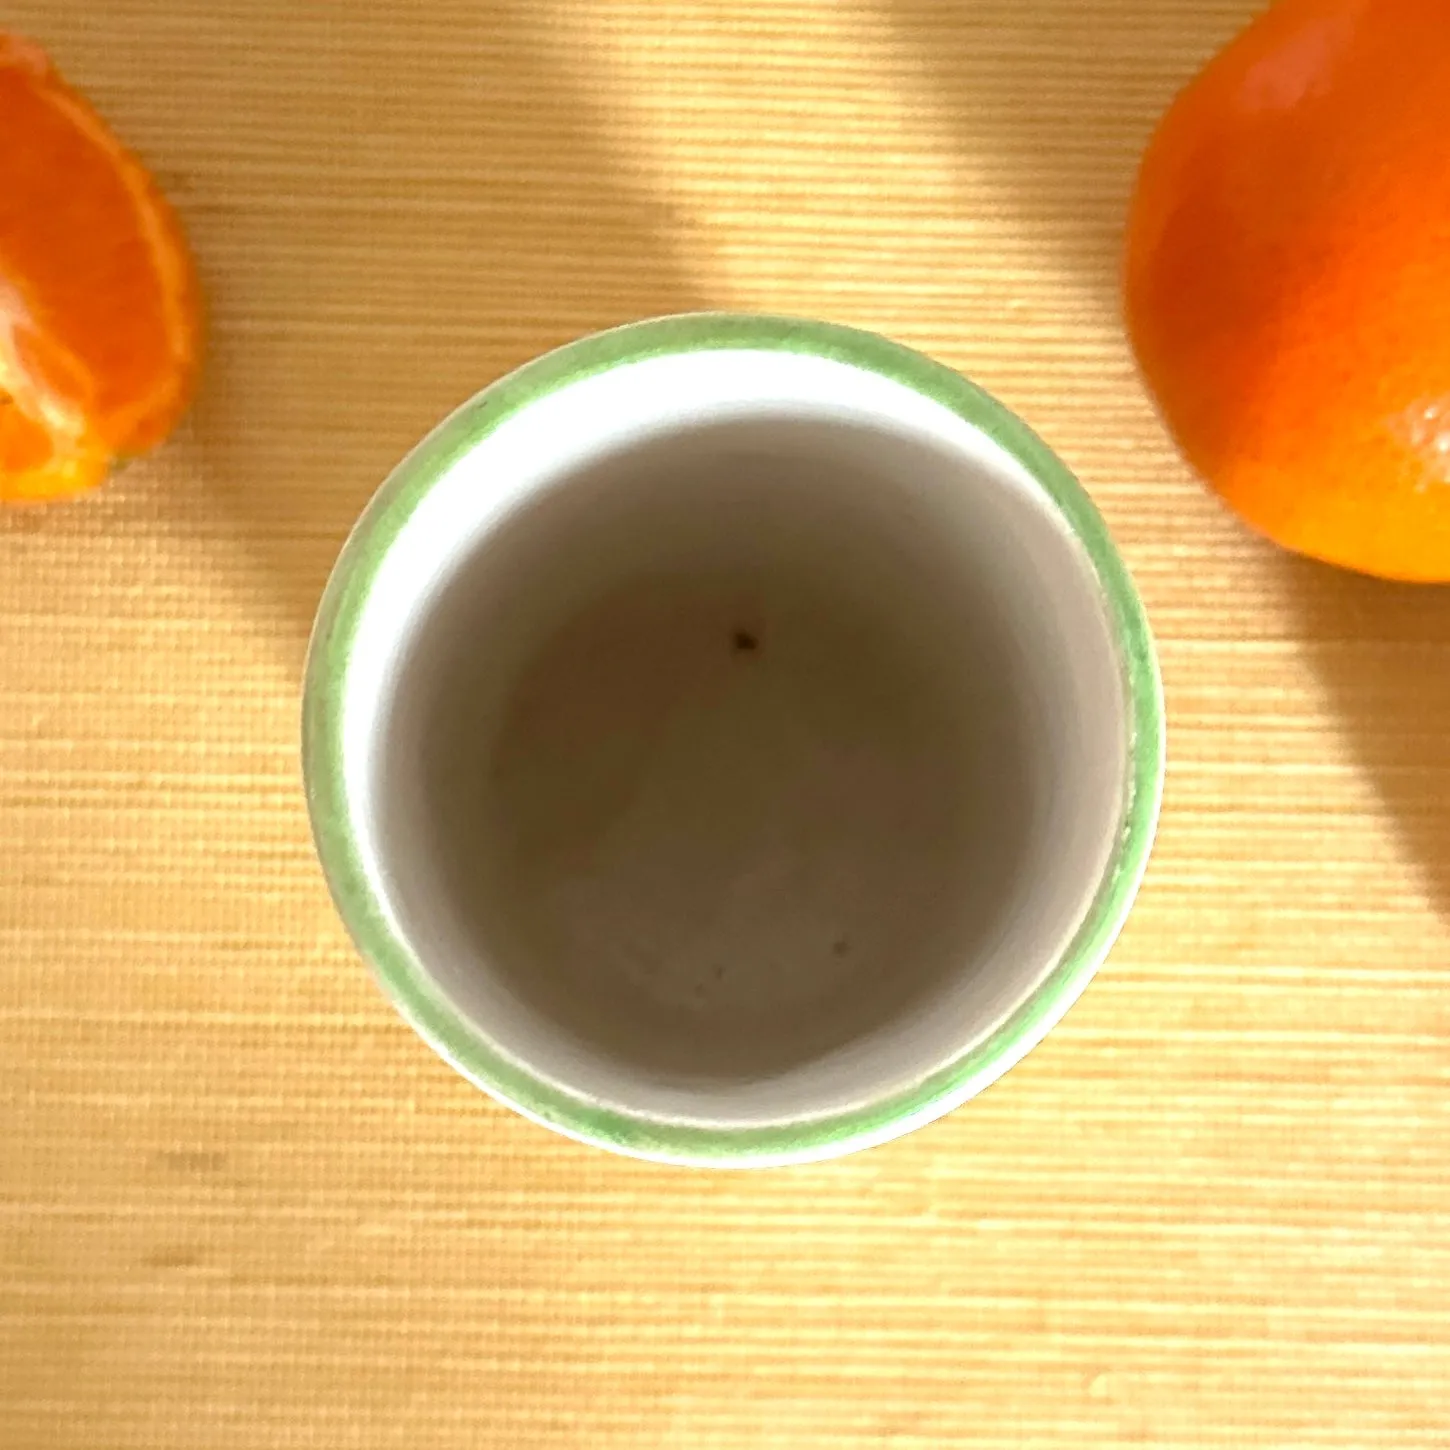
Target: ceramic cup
[732,740]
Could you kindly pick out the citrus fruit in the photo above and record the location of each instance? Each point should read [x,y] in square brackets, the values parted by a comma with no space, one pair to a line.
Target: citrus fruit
[1288,279]
[99,313]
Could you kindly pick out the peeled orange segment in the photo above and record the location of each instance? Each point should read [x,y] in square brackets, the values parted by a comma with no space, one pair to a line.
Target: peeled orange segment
[100,326]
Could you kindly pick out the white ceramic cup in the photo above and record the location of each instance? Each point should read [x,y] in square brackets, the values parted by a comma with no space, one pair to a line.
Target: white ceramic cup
[732,740]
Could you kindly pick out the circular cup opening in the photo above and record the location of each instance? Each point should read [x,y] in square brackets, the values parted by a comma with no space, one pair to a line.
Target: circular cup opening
[748,762]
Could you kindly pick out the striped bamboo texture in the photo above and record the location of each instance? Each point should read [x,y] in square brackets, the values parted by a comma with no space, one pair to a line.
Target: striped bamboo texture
[242,1207]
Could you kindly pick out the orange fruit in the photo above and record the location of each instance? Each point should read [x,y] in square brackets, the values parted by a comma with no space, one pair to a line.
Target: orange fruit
[99,313]
[1288,279]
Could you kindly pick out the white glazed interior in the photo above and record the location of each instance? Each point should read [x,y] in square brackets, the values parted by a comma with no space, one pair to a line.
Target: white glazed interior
[736,737]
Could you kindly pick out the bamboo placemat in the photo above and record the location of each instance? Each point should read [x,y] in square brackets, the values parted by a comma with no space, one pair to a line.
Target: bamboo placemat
[241,1206]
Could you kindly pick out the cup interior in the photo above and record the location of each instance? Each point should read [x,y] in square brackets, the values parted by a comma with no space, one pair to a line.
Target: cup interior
[742,763]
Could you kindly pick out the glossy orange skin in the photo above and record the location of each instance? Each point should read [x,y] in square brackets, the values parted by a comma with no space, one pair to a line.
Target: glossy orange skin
[1288,280]
[100,323]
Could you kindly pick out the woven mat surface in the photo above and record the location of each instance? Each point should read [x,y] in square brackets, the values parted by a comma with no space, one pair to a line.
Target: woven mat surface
[242,1206]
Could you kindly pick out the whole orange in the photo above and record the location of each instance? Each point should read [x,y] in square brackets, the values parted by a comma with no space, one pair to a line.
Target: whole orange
[1288,279]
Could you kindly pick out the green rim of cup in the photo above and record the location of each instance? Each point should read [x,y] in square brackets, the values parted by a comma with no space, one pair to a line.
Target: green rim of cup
[453,1036]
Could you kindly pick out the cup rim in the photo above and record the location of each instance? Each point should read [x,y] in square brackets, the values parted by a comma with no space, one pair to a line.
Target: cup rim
[451,1034]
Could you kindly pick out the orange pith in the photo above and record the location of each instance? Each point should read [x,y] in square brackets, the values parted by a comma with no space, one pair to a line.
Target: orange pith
[1288,279]
[99,314]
